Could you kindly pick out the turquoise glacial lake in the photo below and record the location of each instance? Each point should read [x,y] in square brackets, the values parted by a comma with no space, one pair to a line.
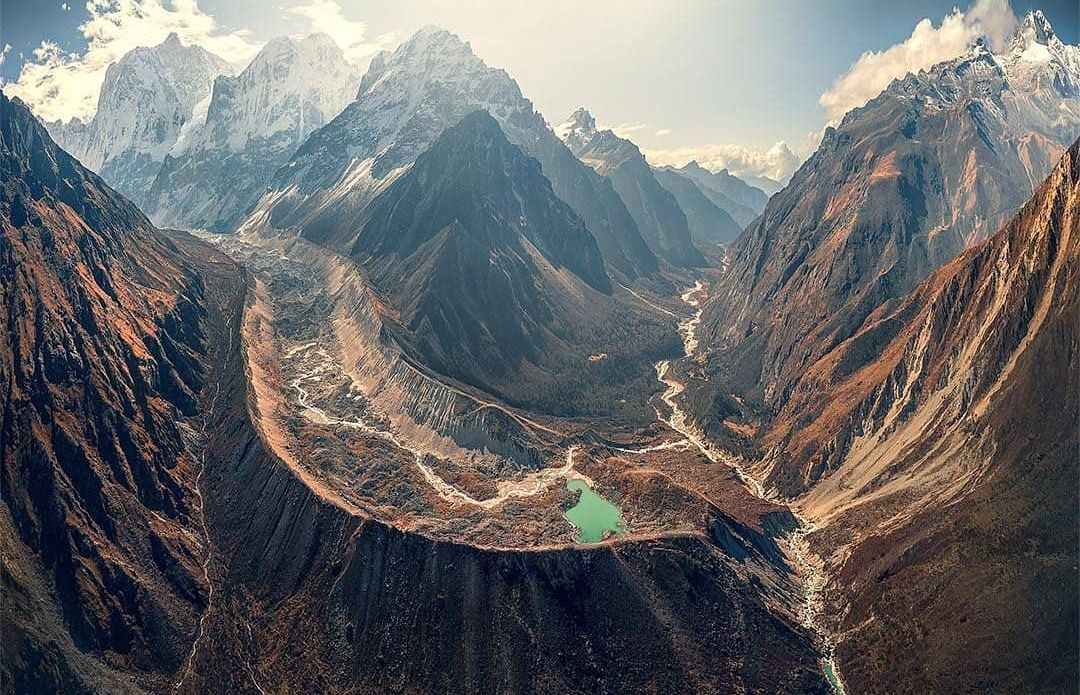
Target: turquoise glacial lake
[592,515]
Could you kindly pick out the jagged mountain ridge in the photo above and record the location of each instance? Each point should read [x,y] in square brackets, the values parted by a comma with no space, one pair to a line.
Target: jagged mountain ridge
[739,199]
[659,218]
[709,223]
[406,99]
[253,123]
[901,186]
[145,101]
[103,359]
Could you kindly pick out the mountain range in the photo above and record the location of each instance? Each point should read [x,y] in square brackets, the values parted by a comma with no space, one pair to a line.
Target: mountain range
[437,397]
[473,234]
[709,223]
[659,218]
[252,125]
[949,404]
[742,201]
[935,163]
[406,99]
[142,488]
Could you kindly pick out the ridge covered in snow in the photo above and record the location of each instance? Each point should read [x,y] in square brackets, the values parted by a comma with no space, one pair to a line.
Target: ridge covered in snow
[407,98]
[1033,85]
[147,98]
[247,128]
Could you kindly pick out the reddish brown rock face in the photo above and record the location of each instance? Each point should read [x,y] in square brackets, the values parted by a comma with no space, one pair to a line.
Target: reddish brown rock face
[936,442]
[894,350]
[894,192]
[958,500]
[103,360]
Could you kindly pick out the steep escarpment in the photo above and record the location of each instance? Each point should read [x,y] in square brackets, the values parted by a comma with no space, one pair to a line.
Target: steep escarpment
[103,363]
[938,447]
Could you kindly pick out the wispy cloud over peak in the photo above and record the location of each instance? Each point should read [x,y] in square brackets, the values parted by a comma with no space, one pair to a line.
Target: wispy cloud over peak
[328,17]
[927,46]
[61,85]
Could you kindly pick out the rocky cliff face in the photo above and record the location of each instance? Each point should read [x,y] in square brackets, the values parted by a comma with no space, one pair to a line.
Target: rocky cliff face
[254,122]
[938,161]
[659,218]
[147,99]
[406,99]
[103,361]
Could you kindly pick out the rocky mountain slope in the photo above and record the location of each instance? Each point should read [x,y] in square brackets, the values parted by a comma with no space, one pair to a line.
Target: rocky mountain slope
[148,97]
[492,278]
[406,99]
[103,359]
[709,223]
[659,218]
[934,446]
[937,161]
[739,199]
[254,122]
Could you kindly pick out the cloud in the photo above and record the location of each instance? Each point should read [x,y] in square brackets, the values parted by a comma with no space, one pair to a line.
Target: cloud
[327,17]
[777,163]
[927,46]
[65,7]
[624,130]
[662,132]
[4,52]
[62,85]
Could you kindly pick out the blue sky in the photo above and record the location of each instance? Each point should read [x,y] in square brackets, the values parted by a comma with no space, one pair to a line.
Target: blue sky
[671,75]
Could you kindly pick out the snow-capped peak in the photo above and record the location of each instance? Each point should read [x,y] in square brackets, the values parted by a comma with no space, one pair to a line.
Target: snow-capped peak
[1036,58]
[431,54]
[1035,28]
[579,127]
[292,85]
[146,97]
